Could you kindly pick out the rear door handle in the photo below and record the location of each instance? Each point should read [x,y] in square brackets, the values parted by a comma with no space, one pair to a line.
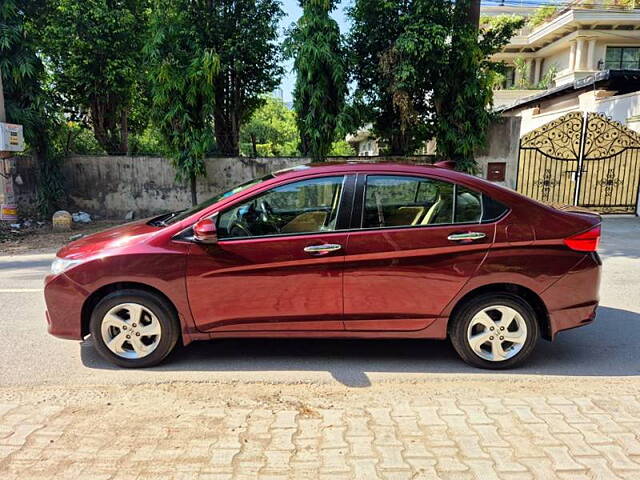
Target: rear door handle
[322,249]
[468,236]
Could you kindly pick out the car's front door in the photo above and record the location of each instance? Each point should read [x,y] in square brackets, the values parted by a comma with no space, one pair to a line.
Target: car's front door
[278,262]
[420,240]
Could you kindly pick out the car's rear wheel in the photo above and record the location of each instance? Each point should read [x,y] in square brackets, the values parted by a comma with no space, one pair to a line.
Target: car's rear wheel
[134,328]
[494,331]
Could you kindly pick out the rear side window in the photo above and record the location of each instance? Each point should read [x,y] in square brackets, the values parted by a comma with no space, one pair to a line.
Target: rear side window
[492,209]
[402,201]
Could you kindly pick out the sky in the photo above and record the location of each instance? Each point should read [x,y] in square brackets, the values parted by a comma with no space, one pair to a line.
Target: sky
[292,12]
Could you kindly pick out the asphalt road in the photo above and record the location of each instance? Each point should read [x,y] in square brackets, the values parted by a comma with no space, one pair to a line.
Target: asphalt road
[608,348]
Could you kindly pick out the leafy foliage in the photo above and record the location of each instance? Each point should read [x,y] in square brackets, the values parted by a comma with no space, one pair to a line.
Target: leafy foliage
[321,77]
[422,71]
[398,49]
[523,71]
[341,148]
[542,15]
[244,34]
[270,132]
[548,78]
[94,49]
[27,101]
[183,71]
[465,90]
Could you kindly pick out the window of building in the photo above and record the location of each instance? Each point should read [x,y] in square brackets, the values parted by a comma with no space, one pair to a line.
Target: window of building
[622,58]
[509,77]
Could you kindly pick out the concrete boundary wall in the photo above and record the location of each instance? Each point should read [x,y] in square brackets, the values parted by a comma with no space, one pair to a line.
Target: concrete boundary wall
[112,186]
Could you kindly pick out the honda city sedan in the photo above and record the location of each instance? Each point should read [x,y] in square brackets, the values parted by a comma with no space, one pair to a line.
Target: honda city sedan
[351,250]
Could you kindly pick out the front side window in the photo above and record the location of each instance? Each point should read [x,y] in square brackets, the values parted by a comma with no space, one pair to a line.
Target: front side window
[622,58]
[307,206]
[400,201]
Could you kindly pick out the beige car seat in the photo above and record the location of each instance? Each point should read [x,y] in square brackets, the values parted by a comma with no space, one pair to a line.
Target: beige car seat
[405,216]
[306,222]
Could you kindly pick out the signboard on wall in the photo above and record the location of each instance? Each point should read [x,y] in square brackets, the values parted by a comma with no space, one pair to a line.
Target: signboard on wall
[11,138]
[8,212]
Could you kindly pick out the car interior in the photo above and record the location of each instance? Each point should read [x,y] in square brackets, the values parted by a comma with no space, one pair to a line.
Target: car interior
[307,206]
[406,201]
[312,206]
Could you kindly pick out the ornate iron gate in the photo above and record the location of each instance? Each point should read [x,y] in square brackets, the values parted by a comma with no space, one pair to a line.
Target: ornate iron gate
[583,159]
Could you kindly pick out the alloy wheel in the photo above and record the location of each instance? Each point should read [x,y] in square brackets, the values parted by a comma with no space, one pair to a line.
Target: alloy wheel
[131,330]
[497,333]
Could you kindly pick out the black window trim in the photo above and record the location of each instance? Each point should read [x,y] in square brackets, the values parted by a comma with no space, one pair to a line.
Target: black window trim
[622,49]
[344,208]
[357,219]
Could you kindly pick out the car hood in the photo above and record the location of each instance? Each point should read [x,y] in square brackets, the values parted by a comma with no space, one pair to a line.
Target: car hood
[117,237]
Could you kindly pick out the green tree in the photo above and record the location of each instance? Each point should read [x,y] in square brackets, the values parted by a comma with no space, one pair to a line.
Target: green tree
[94,49]
[464,92]
[271,131]
[341,148]
[183,69]
[27,100]
[542,15]
[244,33]
[422,71]
[321,77]
[398,49]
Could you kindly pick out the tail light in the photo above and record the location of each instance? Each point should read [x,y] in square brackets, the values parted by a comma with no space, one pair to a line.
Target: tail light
[584,242]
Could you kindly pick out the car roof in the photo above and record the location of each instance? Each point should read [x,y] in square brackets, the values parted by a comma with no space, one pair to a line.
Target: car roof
[361,166]
[367,166]
[373,166]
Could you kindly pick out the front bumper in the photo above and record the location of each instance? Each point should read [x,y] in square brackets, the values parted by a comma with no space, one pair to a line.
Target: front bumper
[64,299]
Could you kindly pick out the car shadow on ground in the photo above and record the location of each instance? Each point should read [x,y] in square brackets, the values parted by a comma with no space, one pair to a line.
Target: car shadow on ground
[606,348]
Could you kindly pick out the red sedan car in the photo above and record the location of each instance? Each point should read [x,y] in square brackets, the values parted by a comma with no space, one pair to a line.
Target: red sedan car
[335,250]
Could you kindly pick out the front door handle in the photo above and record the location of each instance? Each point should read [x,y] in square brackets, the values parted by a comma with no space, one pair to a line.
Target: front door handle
[467,236]
[322,249]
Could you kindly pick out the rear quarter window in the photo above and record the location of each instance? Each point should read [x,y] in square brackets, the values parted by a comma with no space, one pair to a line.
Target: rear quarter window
[492,210]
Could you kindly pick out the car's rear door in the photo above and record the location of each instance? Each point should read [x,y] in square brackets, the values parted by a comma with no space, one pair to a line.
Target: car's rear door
[259,279]
[410,252]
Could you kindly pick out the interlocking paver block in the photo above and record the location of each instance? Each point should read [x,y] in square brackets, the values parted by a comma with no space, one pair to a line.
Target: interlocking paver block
[617,458]
[507,438]
[561,459]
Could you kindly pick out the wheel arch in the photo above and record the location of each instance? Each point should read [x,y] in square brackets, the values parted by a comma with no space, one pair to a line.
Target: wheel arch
[532,298]
[93,299]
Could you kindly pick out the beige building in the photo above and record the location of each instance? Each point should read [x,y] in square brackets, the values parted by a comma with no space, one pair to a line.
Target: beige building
[570,46]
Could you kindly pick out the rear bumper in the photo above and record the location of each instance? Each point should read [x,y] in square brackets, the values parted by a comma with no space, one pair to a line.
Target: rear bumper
[572,301]
[572,318]
[64,300]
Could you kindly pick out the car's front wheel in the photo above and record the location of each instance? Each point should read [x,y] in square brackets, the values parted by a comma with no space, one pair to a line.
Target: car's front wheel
[495,331]
[134,328]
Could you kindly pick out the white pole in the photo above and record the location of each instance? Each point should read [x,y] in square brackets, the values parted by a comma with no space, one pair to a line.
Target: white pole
[3,116]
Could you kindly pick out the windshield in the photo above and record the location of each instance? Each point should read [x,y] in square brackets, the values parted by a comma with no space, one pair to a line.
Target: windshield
[181,215]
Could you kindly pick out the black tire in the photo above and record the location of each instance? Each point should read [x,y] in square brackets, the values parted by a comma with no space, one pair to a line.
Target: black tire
[462,318]
[161,308]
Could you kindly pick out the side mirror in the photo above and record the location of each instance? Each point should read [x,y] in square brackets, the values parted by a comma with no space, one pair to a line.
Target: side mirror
[204,231]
